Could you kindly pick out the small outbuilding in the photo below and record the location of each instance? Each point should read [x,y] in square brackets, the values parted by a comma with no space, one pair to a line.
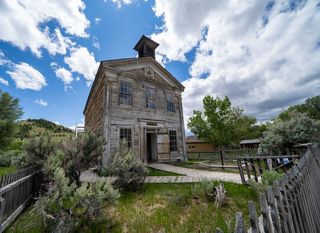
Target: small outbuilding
[250,143]
[195,145]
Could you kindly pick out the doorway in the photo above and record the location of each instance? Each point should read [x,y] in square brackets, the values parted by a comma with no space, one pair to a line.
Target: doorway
[151,139]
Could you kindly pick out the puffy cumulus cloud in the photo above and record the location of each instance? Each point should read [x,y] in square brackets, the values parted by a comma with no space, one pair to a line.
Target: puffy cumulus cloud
[41,102]
[264,55]
[27,77]
[23,23]
[4,82]
[83,62]
[63,74]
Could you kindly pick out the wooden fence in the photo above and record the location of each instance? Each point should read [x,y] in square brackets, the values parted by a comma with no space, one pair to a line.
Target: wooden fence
[255,166]
[227,154]
[292,204]
[16,191]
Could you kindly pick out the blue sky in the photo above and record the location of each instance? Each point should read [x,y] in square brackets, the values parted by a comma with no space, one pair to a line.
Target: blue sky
[264,55]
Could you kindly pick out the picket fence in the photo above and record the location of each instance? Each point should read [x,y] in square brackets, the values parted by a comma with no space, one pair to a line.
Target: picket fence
[16,191]
[290,205]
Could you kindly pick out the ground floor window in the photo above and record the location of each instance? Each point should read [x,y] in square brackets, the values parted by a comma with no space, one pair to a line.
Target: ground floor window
[125,135]
[173,140]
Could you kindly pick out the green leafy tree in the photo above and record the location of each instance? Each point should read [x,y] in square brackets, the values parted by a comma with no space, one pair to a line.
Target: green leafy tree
[220,123]
[283,134]
[10,112]
[311,107]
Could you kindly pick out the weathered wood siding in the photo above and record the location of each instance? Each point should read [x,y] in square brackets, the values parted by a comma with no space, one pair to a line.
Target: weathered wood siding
[104,114]
[127,116]
[94,113]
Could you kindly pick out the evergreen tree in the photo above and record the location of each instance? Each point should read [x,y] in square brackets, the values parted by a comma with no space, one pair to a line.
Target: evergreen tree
[10,112]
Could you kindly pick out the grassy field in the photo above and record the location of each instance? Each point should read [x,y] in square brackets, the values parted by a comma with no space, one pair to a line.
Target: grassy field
[156,172]
[163,208]
[6,170]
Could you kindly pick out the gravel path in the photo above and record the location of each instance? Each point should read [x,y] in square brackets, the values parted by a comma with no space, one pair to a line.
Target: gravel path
[200,174]
[190,175]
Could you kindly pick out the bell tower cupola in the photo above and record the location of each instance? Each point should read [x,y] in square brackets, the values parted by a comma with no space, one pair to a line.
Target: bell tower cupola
[146,47]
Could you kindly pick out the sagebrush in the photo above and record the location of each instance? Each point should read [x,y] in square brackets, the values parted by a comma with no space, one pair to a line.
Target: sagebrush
[130,172]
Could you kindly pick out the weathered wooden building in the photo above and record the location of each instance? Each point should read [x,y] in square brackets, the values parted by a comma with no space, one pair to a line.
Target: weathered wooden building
[138,100]
[194,145]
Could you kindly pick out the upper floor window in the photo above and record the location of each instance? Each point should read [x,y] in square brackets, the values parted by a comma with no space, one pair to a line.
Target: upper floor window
[173,140]
[170,104]
[125,96]
[125,135]
[150,94]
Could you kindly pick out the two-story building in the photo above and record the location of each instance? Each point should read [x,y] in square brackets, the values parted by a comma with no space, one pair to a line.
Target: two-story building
[138,100]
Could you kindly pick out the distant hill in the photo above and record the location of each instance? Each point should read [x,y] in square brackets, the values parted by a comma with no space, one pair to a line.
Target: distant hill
[38,127]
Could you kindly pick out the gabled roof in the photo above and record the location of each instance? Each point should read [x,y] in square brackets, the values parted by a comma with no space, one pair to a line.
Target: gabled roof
[126,61]
[113,64]
[250,141]
[193,139]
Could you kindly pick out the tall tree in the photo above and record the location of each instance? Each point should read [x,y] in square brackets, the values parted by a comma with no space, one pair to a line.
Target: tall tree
[10,112]
[283,134]
[311,107]
[220,123]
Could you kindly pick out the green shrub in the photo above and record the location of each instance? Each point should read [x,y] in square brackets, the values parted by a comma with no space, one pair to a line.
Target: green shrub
[129,171]
[268,177]
[5,159]
[203,190]
[38,149]
[20,160]
[80,154]
[68,207]
[13,158]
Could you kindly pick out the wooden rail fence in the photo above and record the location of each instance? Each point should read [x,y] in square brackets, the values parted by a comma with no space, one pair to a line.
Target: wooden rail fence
[292,204]
[227,154]
[255,166]
[16,191]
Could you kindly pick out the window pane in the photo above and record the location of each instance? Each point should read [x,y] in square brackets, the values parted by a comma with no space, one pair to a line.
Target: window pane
[125,96]
[150,95]
[125,135]
[173,140]
[170,104]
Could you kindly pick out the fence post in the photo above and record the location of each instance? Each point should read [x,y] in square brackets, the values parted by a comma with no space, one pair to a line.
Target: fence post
[267,225]
[221,157]
[254,221]
[2,206]
[254,170]
[243,180]
[273,210]
[240,228]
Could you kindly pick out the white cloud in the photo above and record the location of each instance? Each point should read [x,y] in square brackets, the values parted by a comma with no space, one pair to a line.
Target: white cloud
[64,75]
[41,102]
[4,82]
[95,42]
[22,23]
[120,3]
[3,59]
[27,77]
[83,62]
[97,20]
[264,56]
